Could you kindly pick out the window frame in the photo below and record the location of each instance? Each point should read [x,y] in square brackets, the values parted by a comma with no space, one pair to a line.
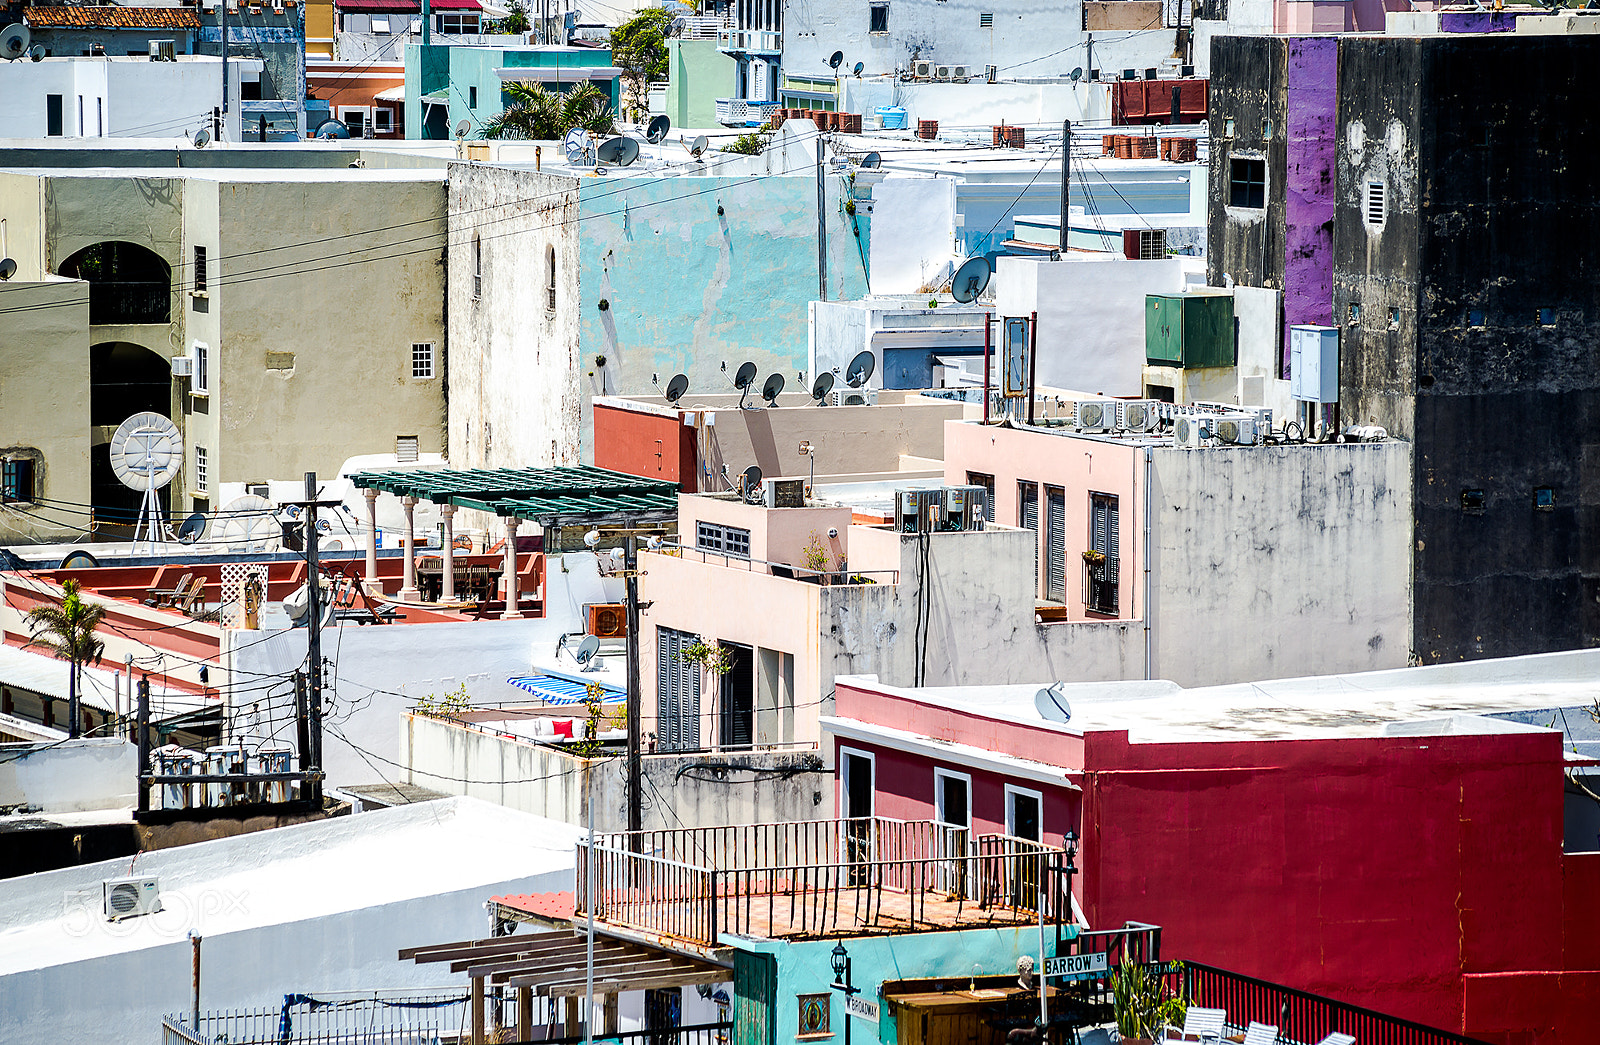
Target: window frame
[385,125]
[423,361]
[873,11]
[202,470]
[940,775]
[11,471]
[1109,545]
[721,539]
[200,371]
[1250,185]
[1013,791]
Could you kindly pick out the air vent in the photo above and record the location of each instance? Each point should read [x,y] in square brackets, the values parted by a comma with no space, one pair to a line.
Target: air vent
[1376,203]
[608,620]
[986,20]
[405,448]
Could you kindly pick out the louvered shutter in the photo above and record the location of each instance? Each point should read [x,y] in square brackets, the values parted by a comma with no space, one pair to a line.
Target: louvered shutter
[1056,544]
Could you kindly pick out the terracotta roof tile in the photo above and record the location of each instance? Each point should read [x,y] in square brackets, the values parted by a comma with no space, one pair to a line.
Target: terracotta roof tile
[112,18]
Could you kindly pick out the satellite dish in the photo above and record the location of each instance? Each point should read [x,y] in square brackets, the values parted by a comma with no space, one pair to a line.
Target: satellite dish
[618,151]
[676,389]
[574,143]
[871,160]
[79,560]
[248,524]
[745,375]
[193,528]
[970,279]
[699,145]
[822,386]
[1077,74]
[14,41]
[462,128]
[146,452]
[202,138]
[750,482]
[659,126]
[770,390]
[8,268]
[860,369]
[835,59]
[330,129]
[1052,705]
[860,68]
[587,649]
[37,53]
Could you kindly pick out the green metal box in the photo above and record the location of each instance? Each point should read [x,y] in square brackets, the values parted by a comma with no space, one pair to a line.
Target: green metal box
[1189,330]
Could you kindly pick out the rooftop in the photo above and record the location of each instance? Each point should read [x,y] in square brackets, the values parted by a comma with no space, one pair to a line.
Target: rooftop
[112,18]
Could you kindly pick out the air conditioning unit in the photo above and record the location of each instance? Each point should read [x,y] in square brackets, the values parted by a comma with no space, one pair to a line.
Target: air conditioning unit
[182,366]
[965,507]
[1096,414]
[783,493]
[1235,429]
[941,72]
[131,897]
[277,6]
[916,511]
[922,70]
[960,72]
[854,397]
[1140,416]
[607,620]
[163,50]
[1192,431]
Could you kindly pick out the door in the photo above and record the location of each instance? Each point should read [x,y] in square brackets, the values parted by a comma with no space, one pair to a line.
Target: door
[1104,522]
[952,814]
[738,688]
[1055,542]
[856,773]
[1023,821]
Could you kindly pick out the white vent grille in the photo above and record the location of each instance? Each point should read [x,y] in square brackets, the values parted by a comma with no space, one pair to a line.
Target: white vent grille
[405,448]
[1376,203]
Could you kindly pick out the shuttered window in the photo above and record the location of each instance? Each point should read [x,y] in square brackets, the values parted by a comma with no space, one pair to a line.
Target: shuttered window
[1100,588]
[987,482]
[1028,519]
[677,693]
[1055,541]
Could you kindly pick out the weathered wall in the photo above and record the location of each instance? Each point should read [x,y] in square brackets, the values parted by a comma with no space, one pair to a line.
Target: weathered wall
[697,74]
[1277,562]
[91,773]
[1248,86]
[913,251]
[1309,124]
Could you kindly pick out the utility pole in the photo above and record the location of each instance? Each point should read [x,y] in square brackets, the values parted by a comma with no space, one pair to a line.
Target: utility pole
[1066,177]
[144,744]
[222,18]
[314,632]
[630,566]
[303,728]
[822,224]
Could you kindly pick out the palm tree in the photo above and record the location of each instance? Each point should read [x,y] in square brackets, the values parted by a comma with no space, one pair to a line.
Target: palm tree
[67,631]
[537,114]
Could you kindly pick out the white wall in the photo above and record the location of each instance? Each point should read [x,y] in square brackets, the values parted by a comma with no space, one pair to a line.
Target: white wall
[979,103]
[1259,312]
[142,99]
[69,777]
[913,233]
[1091,316]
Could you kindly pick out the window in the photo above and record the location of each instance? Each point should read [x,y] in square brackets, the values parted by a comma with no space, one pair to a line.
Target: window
[1544,499]
[1227,127]
[356,120]
[677,693]
[80,116]
[1247,183]
[1023,813]
[878,19]
[952,798]
[1394,317]
[1055,543]
[1473,501]
[472,97]
[1376,203]
[383,121]
[724,540]
[16,480]
[99,117]
[1266,130]
[200,270]
[1028,506]
[458,24]
[986,20]
[422,359]
[814,1011]
[250,90]
[477,266]
[987,482]
[1547,317]
[1475,317]
[200,377]
[380,24]
[550,280]
[201,467]
[952,814]
[52,115]
[1102,565]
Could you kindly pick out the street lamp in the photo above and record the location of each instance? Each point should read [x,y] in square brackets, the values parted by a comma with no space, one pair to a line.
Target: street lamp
[840,959]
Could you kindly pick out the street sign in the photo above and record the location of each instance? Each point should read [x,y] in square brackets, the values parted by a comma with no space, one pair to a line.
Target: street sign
[864,1008]
[1074,966]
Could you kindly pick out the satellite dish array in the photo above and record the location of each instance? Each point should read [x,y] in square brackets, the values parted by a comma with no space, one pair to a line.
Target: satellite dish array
[14,44]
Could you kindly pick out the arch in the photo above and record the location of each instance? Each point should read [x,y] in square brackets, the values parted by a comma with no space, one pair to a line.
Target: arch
[124,379]
[127,283]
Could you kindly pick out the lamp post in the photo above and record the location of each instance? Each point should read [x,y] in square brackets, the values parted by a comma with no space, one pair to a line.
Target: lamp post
[1069,843]
[841,982]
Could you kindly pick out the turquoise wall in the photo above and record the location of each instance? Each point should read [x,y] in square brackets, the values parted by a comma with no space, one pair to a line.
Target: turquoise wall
[459,69]
[806,967]
[697,75]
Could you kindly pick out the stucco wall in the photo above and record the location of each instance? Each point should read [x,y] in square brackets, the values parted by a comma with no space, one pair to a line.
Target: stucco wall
[697,74]
[91,773]
[914,249]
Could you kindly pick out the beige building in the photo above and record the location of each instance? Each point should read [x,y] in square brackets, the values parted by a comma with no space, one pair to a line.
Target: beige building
[285,319]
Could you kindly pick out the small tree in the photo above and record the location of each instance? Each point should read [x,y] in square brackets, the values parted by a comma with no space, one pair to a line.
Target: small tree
[515,22]
[67,630]
[752,144]
[639,49]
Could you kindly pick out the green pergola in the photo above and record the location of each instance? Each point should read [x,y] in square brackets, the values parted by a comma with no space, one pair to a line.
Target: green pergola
[561,496]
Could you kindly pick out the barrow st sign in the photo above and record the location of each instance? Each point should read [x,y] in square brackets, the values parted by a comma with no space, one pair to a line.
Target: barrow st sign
[1075,965]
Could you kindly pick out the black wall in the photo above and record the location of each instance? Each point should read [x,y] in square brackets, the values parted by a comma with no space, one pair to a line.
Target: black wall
[1249,77]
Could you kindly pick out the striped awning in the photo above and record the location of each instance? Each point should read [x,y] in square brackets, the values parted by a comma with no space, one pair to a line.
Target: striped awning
[553,689]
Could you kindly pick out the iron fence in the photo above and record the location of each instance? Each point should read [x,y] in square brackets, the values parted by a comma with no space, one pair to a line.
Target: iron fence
[332,1018]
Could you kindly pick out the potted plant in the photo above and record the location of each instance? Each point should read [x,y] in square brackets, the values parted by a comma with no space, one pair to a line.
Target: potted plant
[1095,559]
[1142,1002]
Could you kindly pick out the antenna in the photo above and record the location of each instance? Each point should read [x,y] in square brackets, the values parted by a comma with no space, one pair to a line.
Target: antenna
[698,146]
[657,131]
[770,390]
[617,151]
[822,386]
[462,128]
[146,453]
[676,388]
[330,129]
[871,160]
[248,524]
[860,68]
[860,369]
[8,268]
[202,138]
[970,279]
[835,59]
[1052,705]
[14,41]
[750,483]
[586,651]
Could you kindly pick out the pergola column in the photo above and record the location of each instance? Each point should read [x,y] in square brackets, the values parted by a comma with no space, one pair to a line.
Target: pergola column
[408,585]
[372,535]
[448,512]
[512,612]
[525,1013]
[477,1011]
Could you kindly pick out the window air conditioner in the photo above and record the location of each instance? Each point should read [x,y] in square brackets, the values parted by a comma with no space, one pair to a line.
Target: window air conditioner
[131,897]
[183,366]
[922,70]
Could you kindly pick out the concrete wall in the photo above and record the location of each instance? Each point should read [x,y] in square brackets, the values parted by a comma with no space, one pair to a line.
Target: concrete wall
[983,104]
[70,777]
[697,75]
[914,223]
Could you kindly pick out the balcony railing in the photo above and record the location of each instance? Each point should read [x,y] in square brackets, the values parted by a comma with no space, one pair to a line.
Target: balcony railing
[783,569]
[1100,585]
[382,1017]
[705,27]
[814,878]
[743,112]
[752,41]
[117,303]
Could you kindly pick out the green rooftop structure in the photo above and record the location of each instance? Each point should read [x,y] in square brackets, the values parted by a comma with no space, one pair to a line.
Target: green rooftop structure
[561,496]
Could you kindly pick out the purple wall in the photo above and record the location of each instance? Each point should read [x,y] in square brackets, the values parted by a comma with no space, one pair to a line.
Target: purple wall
[1310,120]
[1477,22]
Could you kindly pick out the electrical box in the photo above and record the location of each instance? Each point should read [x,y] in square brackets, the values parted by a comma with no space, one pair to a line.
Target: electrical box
[1188,330]
[1314,364]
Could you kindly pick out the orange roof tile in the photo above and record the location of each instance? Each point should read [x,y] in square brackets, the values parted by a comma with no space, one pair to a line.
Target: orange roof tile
[112,18]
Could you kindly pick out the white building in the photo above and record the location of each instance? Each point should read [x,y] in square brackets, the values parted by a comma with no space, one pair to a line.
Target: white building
[120,97]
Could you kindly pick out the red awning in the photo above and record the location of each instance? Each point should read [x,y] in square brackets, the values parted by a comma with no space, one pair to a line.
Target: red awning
[402,7]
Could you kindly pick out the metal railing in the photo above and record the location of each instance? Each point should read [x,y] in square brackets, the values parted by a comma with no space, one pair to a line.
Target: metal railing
[330,1018]
[744,112]
[761,41]
[1100,585]
[782,569]
[113,302]
[814,877]
[700,1034]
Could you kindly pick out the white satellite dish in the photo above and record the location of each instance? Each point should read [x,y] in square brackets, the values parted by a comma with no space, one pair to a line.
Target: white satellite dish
[575,144]
[248,524]
[146,453]
[1051,703]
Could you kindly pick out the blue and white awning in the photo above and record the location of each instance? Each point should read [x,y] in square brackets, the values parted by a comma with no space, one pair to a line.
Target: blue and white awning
[553,689]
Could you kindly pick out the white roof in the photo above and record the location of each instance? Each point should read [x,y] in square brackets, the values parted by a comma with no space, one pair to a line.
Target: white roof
[287,874]
[1402,702]
[41,673]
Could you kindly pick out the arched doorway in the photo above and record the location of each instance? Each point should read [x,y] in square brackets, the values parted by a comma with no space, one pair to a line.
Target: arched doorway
[124,379]
[127,283]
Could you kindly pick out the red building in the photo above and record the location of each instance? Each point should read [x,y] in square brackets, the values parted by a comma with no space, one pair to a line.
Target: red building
[1376,838]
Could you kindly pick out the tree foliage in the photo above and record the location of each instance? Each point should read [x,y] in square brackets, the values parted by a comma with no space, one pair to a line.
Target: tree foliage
[639,49]
[67,631]
[751,144]
[515,22]
[536,114]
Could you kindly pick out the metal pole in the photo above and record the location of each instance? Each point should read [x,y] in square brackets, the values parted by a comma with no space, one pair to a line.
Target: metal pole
[1066,177]
[822,225]
[588,902]
[630,566]
[987,321]
[314,634]
[303,730]
[144,743]
[127,671]
[1044,1008]
[194,938]
[1176,91]
[222,16]
[1033,358]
